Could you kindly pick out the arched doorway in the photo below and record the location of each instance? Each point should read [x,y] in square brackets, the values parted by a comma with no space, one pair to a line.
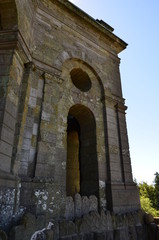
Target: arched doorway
[82,164]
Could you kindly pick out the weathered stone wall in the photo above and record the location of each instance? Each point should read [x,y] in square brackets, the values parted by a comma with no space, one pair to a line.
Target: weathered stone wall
[42,45]
[103,226]
[11,78]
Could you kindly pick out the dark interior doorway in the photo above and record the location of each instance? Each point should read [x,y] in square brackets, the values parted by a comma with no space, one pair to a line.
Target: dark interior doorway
[82,164]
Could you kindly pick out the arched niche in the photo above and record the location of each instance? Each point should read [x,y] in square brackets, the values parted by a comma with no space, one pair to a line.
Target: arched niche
[82,164]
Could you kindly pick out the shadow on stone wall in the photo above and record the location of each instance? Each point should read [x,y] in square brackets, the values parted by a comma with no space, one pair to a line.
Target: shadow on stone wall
[82,222]
[104,226]
[80,206]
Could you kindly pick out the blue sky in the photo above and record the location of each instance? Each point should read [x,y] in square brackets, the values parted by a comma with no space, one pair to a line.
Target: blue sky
[137,23]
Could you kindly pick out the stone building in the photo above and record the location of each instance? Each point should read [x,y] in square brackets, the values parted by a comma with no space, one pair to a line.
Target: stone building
[63,140]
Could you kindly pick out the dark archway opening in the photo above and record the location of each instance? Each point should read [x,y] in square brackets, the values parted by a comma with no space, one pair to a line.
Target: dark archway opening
[82,164]
[73,156]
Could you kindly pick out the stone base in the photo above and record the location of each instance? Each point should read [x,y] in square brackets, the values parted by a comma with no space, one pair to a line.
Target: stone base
[93,226]
[125,198]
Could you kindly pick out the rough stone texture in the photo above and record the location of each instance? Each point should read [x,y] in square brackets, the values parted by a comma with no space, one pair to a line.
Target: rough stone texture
[70,209]
[58,64]
[78,206]
[85,205]
[93,226]
[31,227]
[93,203]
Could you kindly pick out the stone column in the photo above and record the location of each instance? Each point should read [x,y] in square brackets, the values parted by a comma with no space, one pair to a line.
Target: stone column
[18,138]
[121,192]
[29,109]
[5,147]
[11,71]
[45,163]
[51,159]
[113,165]
[126,170]
[125,196]
[107,184]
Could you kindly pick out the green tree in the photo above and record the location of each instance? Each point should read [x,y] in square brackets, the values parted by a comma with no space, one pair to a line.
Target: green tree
[148,191]
[146,205]
[148,198]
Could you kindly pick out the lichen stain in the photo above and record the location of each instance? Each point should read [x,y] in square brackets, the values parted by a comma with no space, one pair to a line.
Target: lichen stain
[42,197]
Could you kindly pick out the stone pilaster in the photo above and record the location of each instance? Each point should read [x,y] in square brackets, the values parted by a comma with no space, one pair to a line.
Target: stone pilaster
[10,87]
[126,170]
[125,195]
[29,110]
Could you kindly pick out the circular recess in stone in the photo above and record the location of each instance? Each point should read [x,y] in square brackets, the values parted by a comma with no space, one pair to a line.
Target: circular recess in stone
[80,79]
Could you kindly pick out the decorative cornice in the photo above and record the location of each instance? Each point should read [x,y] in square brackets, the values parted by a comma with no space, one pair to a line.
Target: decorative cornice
[117,102]
[56,78]
[46,67]
[106,34]
[118,43]
[113,99]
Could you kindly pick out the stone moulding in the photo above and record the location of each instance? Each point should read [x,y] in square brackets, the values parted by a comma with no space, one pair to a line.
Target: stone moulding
[116,40]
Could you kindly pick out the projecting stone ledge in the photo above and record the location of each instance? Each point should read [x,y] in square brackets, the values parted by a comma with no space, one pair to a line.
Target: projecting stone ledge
[106,25]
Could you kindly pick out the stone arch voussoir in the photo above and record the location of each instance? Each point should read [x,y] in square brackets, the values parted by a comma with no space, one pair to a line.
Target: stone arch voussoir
[69,64]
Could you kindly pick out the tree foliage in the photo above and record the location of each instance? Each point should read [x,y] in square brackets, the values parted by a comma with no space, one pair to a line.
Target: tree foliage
[146,205]
[149,196]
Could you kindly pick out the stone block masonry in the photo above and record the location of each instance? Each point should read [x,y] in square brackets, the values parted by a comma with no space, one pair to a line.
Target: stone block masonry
[64,152]
[95,226]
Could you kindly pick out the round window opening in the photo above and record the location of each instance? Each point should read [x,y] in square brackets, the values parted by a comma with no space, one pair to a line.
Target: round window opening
[81,79]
